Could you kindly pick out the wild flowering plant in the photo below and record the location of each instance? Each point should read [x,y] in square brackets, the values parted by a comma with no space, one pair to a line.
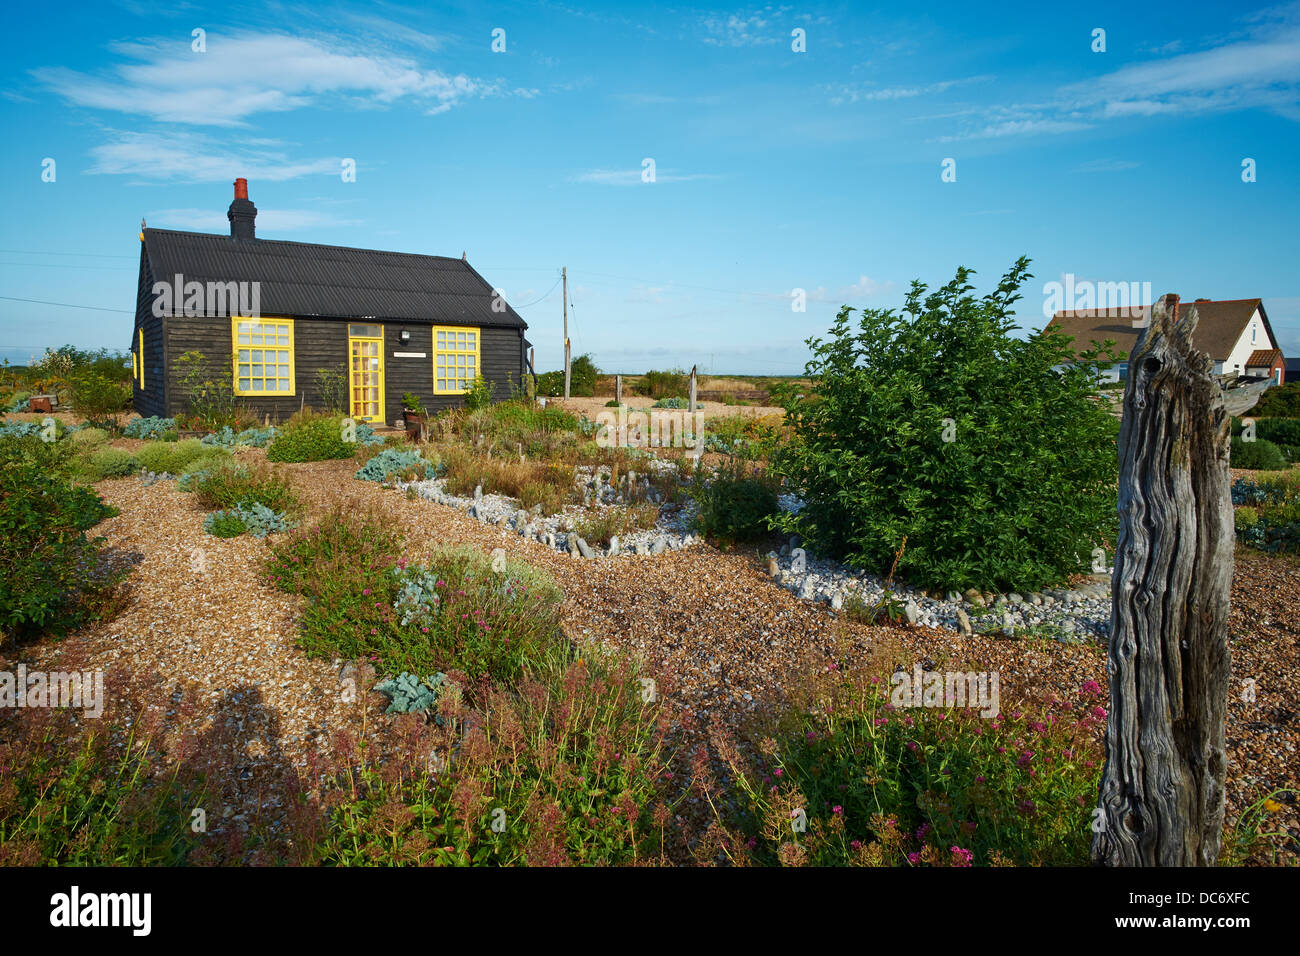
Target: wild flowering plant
[856,781]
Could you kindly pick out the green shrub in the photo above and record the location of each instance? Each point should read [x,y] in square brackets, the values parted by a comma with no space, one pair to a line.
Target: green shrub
[169,457]
[672,403]
[1020,495]
[479,394]
[52,572]
[736,503]
[1280,431]
[923,786]
[311,438]
[224,524]
[86,440]
[1279,402]
[453,613]
[1260,455]
[96,397]
[228,484]
[664,384]
[109,463]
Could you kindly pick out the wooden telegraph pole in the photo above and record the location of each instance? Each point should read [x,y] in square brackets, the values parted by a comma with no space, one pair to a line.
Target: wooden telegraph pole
[564,278]
[1161,800]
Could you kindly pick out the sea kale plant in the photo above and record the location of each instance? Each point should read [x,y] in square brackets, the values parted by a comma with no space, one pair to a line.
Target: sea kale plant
[992,455]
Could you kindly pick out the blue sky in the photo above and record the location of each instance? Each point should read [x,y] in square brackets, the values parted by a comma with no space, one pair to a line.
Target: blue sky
[775,170]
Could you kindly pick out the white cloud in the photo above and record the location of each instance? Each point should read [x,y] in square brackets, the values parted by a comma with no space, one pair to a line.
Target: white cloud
[246,74]
[866,287]
[859,92]
[195,158]
[632,177]
[741,29]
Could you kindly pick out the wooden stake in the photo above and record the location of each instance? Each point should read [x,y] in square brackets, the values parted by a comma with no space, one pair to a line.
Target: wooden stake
[692,408]
[1162,791]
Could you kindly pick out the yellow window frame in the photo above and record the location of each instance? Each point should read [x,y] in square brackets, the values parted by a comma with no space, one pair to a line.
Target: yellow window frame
[352,373]
[139,359]
[281,328]
[455,353]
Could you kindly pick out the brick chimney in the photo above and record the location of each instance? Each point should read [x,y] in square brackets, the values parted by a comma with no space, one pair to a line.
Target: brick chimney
[242,212]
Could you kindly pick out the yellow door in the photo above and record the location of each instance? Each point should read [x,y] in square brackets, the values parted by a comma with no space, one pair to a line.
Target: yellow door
[366,372]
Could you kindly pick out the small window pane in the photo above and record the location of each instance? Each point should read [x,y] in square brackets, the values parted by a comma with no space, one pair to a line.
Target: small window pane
[243,384]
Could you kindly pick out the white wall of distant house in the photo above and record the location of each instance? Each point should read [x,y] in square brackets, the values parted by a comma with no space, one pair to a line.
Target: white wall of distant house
[1254,336]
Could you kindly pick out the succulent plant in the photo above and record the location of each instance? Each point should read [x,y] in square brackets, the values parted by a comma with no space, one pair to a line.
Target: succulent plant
[409,694]
[390,462]
[151,427]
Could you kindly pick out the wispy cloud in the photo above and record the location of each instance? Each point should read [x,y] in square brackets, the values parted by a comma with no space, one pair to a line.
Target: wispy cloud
[868,93]
[632,177]
[742,29]
[1107,165]
[247,74]
[196,158]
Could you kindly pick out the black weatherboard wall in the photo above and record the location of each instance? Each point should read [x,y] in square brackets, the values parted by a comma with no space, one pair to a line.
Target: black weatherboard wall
[321,288]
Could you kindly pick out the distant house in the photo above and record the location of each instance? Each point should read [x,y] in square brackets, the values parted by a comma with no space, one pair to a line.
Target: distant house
[274,313]
[1235,332]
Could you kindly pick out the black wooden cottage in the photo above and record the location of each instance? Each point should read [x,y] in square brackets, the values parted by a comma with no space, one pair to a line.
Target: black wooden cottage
[273,313]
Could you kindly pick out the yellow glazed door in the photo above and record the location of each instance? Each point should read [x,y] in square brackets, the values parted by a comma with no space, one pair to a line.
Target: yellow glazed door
[366,372]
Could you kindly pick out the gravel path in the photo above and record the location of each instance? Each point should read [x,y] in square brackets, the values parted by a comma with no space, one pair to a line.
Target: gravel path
[722,638]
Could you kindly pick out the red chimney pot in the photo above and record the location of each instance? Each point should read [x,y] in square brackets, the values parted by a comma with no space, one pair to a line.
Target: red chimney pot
[241,188]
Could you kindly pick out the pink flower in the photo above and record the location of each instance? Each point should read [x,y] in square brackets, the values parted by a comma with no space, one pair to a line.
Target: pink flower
[837,810]
[778,772]
[366,592]
[961,857]
[1099,713]
[914,858]
[1090,688]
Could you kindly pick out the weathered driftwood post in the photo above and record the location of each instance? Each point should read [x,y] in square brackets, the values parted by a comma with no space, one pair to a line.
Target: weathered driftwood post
[692,405]
[618,389]
[1162,789]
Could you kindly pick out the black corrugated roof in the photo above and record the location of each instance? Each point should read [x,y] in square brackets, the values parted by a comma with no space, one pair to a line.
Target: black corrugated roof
[308,279]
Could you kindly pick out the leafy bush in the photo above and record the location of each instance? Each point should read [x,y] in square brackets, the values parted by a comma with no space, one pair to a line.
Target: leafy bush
[19,429]
[52,574]
[390,463]
[169,457]
[923,786]
[664,384]
[1260,454]
[1020,494]
[1267,515]
[208,390]
[332,388]
[582,379]
[311,437]
[672,403]
[1280,431]
[1281,401]
[151,427]
[736,503]
[96,397]
[453,613]
[228,484]
[479,394]
[256,519]
[108,463]
[86,440]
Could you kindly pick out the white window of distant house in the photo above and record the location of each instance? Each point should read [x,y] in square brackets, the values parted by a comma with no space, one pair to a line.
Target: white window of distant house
[263,356]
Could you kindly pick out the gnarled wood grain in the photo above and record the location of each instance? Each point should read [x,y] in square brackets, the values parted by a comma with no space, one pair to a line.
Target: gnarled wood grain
[1162,789]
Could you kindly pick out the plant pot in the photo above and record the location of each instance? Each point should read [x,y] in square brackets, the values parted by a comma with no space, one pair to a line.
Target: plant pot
[414,424]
